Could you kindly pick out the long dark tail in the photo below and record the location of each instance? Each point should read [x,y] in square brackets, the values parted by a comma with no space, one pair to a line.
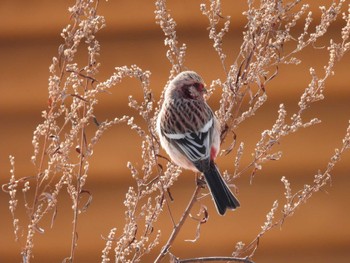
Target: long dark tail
[222,195]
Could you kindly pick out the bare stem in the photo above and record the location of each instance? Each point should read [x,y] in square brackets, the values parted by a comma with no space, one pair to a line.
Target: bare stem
[78,186]
[177,227]
[214,259]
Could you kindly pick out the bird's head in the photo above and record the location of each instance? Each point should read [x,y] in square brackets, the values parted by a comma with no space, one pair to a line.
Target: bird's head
[188,85]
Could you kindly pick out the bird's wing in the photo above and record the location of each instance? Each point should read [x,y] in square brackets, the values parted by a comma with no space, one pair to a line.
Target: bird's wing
[189,127]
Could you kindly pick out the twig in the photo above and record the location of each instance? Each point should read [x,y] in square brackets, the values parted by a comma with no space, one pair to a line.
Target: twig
[177,227]
[212,259]
[78,186]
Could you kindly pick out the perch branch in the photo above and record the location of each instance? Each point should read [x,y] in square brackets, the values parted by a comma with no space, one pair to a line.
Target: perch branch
[177,227]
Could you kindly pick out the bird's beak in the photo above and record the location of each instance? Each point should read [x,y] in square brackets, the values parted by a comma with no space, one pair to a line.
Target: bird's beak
[205,93]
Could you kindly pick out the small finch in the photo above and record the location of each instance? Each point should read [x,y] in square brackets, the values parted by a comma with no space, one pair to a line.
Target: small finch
[190,134]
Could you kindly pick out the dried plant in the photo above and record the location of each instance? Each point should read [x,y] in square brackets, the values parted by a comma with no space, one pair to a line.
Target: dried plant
[62,148]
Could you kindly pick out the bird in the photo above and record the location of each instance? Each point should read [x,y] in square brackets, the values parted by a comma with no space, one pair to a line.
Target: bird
[190,134]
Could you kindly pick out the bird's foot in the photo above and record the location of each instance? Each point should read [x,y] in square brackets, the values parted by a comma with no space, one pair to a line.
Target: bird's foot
[200,180]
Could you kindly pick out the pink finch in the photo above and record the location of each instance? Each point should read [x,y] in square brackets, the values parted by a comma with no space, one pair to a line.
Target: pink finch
[190,134]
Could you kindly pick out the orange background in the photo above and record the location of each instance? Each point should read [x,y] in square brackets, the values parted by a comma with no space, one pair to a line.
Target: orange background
[318,232]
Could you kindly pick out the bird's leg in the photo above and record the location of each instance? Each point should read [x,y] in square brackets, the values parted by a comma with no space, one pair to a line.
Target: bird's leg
[200,180]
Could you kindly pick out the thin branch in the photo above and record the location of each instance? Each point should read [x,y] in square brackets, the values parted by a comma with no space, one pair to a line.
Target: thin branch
[78,183]
[177,228]
[212,259]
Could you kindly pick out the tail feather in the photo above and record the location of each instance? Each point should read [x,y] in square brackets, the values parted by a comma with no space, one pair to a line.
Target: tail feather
[222,195]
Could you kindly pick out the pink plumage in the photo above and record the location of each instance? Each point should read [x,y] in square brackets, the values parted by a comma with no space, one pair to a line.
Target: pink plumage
[190,134]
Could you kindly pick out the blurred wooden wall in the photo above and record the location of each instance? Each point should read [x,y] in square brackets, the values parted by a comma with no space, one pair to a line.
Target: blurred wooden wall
[29,38]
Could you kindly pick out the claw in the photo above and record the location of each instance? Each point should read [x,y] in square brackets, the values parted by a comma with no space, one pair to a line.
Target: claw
[200,180]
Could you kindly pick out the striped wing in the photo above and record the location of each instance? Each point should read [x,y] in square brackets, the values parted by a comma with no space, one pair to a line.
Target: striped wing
[189,127]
